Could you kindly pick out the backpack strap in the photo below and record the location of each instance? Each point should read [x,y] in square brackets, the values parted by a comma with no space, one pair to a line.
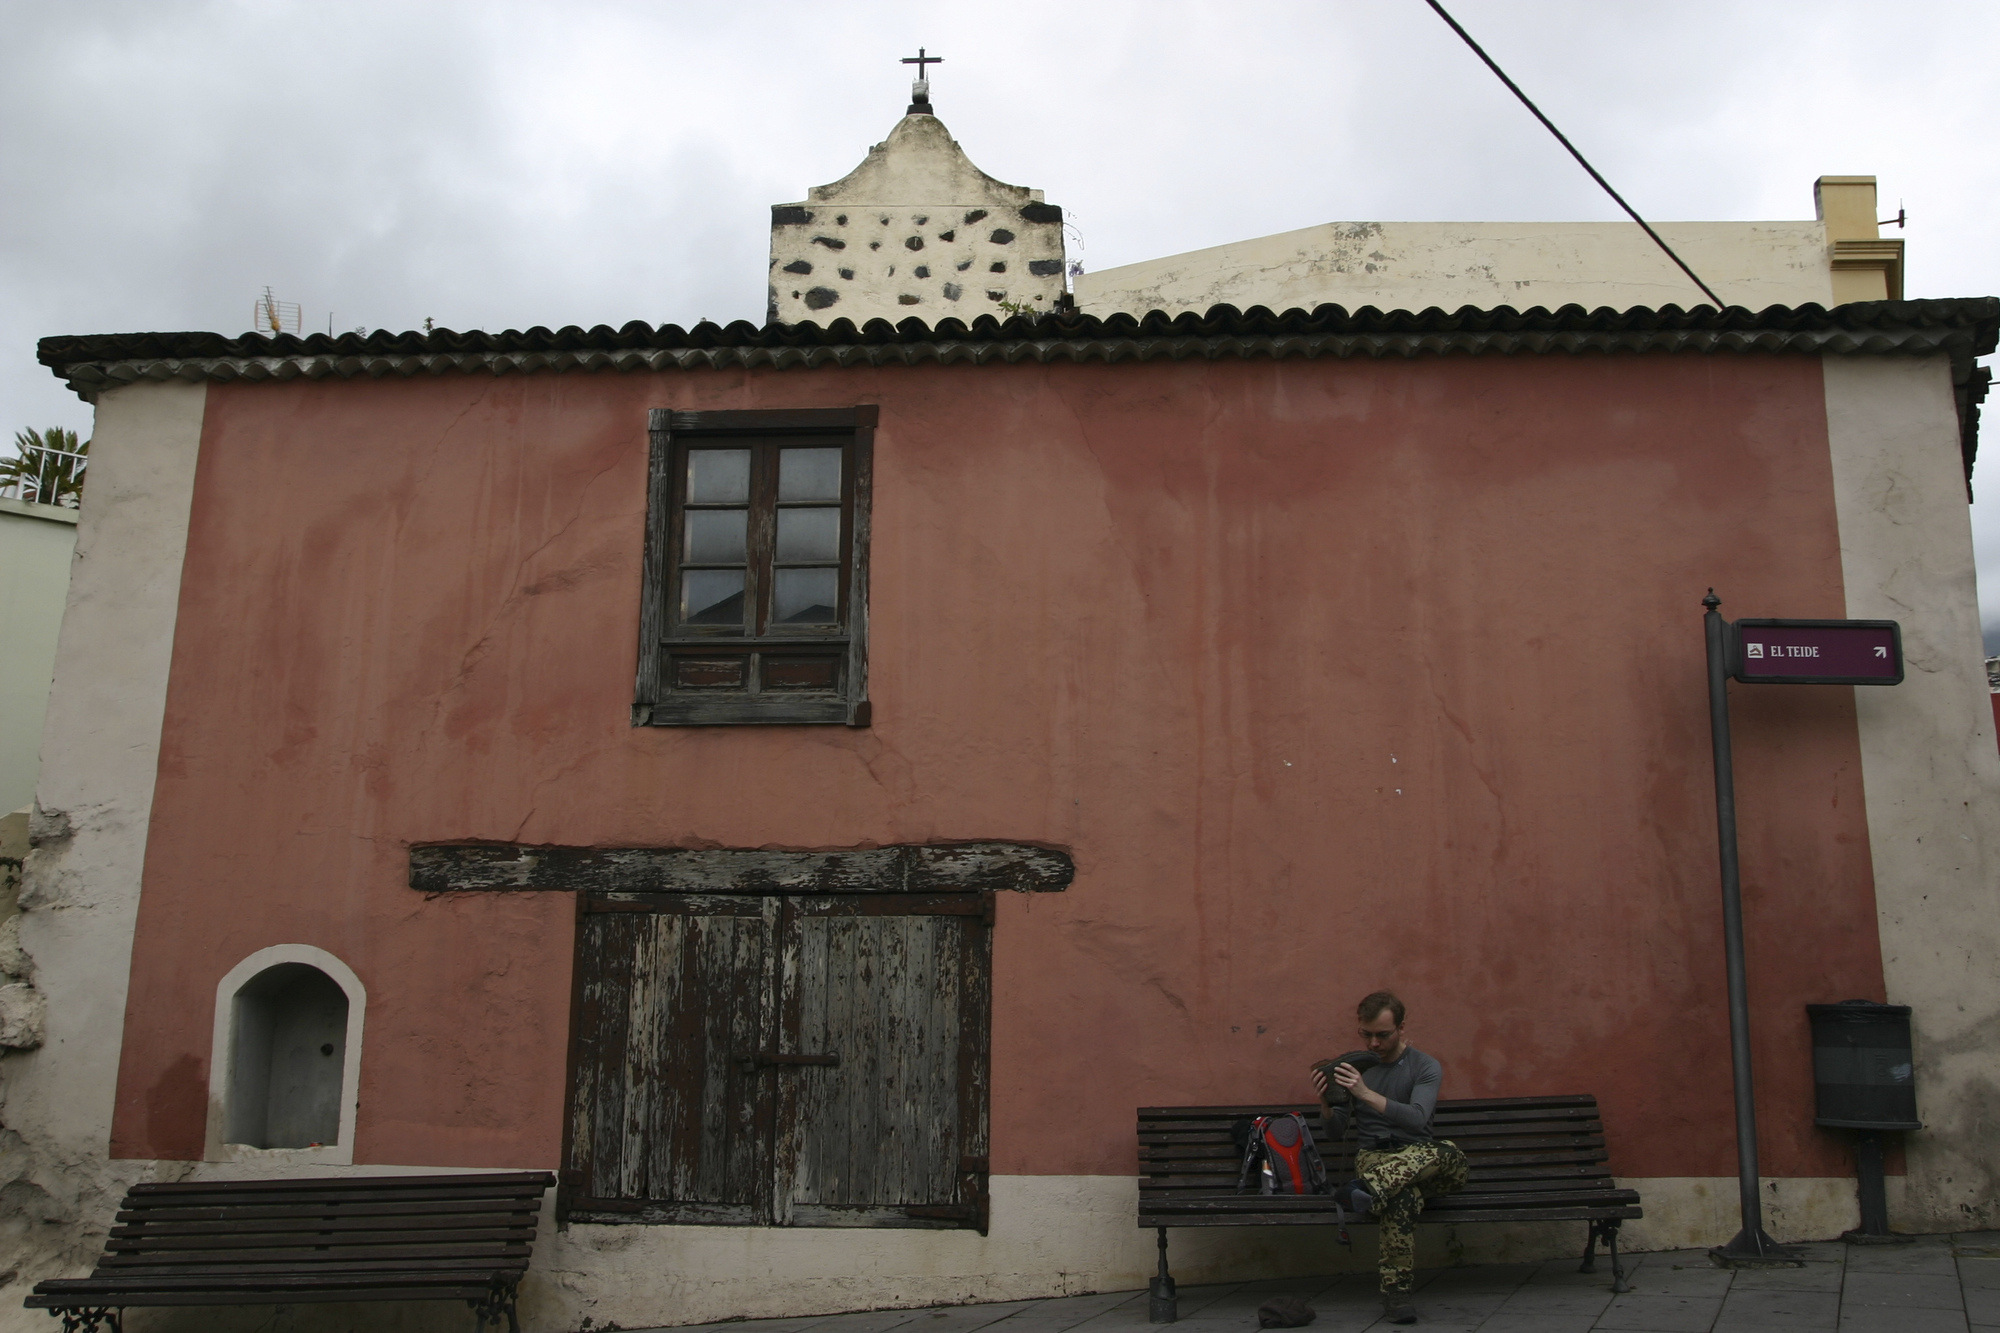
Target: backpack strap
[1253,1144]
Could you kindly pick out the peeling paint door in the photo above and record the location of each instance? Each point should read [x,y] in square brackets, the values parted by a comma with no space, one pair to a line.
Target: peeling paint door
[809,1060]
[669,1119]
[896,989]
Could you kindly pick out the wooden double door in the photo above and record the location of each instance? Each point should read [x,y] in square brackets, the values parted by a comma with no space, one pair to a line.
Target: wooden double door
[780,1060]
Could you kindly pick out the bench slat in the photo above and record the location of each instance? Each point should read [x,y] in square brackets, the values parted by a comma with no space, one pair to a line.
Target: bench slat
[1320,1203]
[1225,1141]
[1149,1220]
[1222,1132]
[1197,1215]
[272,1210]
[260,1238]
[1560,1214]
[1588,1162]
[1457,1104]
[1467,1123]
[512,1181]
[1483,1161]
[266,1295]
[1556,1150]
[479,1265]
[275,1281]
[1213,1188]
[1211,1138]
[1151,1196]
[195,1258]
[319,1223]
[514,1198]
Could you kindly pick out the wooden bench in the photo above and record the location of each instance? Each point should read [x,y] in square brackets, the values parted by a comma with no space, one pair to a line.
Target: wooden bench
[1533,1159]
[307,1242]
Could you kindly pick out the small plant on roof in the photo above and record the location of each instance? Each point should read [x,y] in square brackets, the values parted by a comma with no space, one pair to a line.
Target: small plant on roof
[1027,307]
[47,467]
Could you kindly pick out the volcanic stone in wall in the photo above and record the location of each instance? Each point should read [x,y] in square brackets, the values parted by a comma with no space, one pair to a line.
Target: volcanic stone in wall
[916,194]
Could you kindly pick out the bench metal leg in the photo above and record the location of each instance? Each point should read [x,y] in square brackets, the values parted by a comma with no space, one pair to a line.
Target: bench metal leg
[492,1307]
[1607,1228]
[90,1318]
[1162,1307]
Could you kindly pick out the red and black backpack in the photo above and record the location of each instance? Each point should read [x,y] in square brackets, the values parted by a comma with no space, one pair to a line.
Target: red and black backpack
[1280,1156]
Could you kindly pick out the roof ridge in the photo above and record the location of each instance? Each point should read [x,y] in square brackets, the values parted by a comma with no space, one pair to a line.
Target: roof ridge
[1977,317]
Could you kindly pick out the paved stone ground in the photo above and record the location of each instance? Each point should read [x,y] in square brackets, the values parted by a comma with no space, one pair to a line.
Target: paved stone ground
[1939,1284]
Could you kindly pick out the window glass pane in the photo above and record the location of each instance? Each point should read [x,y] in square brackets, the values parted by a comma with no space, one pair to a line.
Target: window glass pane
[718,476]
[712,597]
[809,474]
[716,536]
[806,596]
[808,534]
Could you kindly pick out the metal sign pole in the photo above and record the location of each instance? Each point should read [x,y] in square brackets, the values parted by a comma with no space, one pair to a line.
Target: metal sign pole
[1751,1243]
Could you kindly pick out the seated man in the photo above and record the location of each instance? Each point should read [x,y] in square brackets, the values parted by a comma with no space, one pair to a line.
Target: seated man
[1399,1160]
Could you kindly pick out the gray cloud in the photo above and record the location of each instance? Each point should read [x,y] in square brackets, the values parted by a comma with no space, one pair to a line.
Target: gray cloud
[503,164]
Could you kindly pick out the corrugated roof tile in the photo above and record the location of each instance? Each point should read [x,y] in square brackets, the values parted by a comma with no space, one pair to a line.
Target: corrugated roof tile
[1962,328]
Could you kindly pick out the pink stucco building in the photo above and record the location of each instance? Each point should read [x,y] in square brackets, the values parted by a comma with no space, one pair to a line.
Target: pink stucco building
[1270,659]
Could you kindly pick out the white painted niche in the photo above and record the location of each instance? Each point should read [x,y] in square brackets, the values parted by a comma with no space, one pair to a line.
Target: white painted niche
[287,1058]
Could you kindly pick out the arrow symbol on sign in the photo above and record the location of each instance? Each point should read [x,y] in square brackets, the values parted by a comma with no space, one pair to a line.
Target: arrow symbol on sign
[1881,652]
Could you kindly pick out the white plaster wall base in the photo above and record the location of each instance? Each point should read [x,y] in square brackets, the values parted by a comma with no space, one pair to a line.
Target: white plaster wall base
[1066,1235]
[1696,1212]
[1051,1236]
[80,893]
[1930,767]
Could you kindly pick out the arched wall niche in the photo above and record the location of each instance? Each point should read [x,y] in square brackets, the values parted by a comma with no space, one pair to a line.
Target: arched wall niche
[286,1058]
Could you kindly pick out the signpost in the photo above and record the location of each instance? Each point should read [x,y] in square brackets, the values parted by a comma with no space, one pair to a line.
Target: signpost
[1769,652]
[1817,652]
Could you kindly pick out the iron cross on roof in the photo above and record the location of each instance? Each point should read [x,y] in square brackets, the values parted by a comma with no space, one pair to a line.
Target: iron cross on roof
[920,95]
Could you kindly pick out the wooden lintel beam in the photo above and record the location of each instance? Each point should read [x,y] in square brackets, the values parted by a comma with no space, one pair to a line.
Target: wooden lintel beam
[966,867]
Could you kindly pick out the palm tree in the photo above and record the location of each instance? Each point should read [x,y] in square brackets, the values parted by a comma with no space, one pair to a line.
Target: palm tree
[47,467]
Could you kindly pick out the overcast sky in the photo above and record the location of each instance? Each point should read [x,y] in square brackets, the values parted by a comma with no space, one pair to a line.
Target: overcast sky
[495,165]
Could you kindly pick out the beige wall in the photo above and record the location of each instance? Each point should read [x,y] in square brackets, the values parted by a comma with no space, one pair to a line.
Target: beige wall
[1416,265]
[1864,266]
[1931,771]
[81,891]
[35,545]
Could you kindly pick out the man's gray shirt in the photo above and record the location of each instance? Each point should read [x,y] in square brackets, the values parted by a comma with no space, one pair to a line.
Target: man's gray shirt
[1411,1087]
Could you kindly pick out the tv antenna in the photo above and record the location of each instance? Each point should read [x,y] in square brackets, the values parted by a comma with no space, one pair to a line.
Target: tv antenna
[270,315]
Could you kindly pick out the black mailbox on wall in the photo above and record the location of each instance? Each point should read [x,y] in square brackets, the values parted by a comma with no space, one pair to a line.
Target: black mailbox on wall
[1863,1077]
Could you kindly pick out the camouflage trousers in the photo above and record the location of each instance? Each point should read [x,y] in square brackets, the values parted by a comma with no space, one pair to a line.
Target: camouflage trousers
[1400,1181]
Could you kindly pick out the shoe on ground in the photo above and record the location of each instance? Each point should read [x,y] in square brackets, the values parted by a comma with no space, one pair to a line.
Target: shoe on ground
[1397,1310]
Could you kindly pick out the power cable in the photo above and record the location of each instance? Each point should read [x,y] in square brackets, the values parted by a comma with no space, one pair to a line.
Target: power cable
[1515,89]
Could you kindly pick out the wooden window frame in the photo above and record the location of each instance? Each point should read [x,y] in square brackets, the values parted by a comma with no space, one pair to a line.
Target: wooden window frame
[656,701]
